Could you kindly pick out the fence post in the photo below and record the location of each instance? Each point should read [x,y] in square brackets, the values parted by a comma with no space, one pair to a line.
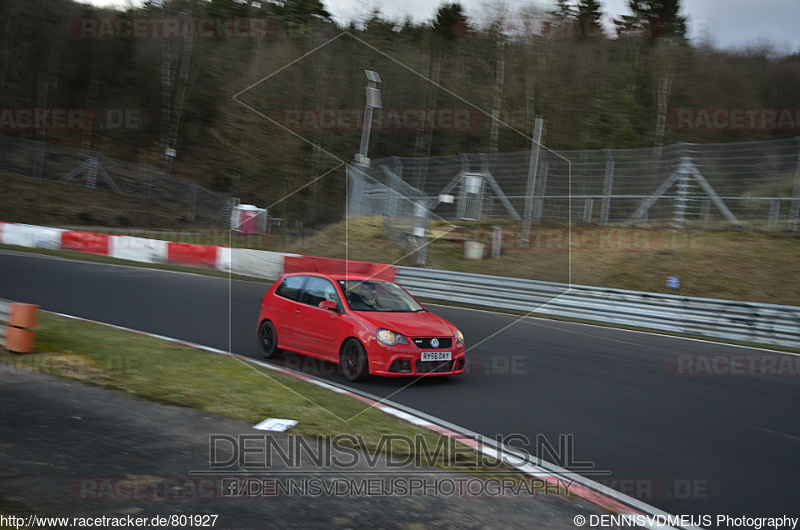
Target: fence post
[497,242]
[533,166]
[91,173]
[355,193]
[705,210]
[539,204]
[38,161]
[588,206]
[794,211]
[774,214]
[683,189]
[608,184]
[192,197]
[421,226]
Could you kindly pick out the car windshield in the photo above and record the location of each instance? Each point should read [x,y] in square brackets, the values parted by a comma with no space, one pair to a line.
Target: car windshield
[370,295]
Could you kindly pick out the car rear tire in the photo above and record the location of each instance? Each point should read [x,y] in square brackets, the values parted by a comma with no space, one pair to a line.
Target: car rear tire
[353,361]
[268,339]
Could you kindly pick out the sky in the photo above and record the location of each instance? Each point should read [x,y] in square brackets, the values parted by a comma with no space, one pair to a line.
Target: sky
[725,23]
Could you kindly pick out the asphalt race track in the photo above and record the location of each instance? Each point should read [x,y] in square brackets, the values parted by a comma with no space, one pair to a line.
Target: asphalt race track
[690,444]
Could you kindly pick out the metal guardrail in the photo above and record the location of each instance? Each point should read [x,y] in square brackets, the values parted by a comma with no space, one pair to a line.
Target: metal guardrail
[769,324]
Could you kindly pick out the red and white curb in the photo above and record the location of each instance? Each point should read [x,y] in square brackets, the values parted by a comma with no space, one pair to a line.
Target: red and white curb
[598,494]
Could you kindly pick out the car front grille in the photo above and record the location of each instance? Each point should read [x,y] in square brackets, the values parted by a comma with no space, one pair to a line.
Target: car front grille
[434,367]
[425,343]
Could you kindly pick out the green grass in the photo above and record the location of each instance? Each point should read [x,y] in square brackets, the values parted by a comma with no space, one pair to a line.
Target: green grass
[174,374]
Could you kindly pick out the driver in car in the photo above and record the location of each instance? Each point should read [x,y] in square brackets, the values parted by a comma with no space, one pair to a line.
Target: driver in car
[368,294]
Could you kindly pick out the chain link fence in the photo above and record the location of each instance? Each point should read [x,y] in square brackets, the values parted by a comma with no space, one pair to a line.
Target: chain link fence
[27,158]
[752,184]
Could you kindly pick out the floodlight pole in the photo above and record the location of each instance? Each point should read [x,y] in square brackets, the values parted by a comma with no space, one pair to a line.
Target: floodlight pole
[373,102]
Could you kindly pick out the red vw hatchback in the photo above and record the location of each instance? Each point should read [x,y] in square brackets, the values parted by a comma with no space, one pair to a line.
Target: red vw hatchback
[366,325]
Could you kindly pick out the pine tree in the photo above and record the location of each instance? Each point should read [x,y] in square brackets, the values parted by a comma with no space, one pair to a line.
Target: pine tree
[450,21]
[589,15]
[653,19]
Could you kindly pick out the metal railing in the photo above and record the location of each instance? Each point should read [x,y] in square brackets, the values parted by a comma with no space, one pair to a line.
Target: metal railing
[28,158]
[754,184]
[769,324]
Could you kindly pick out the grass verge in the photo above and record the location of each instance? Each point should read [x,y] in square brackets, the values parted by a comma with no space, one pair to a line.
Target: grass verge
[174,374]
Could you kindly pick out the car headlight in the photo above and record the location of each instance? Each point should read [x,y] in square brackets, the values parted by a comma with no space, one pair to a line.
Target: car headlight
[390,338]
[459,337]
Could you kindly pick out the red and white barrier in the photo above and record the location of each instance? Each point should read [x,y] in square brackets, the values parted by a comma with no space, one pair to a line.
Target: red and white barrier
[248,262]
[338,266]
[87,242]
[30,236]
[192,255]
[139,249]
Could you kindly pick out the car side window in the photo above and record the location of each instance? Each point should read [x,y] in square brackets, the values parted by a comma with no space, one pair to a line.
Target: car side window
[290,287]
[317,290]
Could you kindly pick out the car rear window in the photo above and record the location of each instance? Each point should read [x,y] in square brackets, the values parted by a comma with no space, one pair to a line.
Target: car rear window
[290,287]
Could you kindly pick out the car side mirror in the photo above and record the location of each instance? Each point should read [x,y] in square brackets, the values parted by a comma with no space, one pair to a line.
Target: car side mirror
[327,304]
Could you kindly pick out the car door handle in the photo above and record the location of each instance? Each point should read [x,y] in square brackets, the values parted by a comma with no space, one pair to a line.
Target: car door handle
[297,311]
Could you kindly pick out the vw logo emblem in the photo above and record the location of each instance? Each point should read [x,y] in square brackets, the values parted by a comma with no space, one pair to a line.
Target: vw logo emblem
[434,343]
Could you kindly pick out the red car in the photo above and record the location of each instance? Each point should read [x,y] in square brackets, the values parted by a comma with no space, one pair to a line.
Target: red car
[365,324]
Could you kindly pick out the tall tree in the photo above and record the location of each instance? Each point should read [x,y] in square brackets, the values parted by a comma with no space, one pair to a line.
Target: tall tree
[611,123]
[299,14]
[653,19]
[589,15]
[450,21]
[564,9]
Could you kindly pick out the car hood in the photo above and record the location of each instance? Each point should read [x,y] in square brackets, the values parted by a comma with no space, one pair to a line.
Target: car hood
[411,324]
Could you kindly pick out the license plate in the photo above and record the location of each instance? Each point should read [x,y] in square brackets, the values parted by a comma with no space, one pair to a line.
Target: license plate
[436,356]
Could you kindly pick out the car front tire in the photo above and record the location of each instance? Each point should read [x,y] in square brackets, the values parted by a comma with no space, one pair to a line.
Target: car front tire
[353,361]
